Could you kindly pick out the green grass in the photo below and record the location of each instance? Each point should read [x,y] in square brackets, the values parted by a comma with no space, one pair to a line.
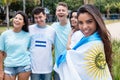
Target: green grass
[116,59]
[3,28]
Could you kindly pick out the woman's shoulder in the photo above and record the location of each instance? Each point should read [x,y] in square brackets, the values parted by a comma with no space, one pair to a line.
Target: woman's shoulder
[24,33]
[6,32]
[92,45]
[95,44]
[78,33]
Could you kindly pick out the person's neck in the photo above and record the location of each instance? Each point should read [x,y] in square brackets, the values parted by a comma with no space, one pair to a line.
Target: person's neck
[63,22]
[43,25]
[17,30]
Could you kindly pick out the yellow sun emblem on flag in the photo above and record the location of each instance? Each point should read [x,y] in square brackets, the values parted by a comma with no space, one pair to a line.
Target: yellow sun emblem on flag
[96,63]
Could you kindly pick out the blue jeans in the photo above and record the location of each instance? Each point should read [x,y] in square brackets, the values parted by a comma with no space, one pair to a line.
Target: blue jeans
[16,70]
[56,76]
[41,76]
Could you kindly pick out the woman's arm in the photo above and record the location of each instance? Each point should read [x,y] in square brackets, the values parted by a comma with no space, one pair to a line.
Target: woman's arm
[1,65]
[69,40]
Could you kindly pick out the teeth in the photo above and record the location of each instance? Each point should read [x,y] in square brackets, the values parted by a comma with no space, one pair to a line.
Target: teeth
[86,31]
[16,23]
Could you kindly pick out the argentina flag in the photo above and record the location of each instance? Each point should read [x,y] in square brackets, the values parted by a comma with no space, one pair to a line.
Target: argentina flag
[86,61]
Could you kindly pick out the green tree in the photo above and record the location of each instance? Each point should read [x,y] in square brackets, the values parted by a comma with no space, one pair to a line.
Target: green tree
[29,5]
[117,5]
[107,8]
[88,1]
[6,3]
[109,5]
[74,4]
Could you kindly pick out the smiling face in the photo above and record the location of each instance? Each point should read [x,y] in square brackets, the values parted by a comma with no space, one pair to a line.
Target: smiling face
[86,23]
[73,20]
[18,22]
[40,19]
[61,13]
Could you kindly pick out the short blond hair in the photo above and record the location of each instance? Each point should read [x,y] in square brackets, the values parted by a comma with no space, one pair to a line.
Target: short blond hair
[63,4]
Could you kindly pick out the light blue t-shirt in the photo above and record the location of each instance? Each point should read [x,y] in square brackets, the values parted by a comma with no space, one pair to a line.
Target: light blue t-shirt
[15,45]
[61,38]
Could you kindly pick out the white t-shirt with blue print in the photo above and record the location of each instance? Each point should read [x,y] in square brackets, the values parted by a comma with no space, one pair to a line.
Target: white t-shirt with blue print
[41,48]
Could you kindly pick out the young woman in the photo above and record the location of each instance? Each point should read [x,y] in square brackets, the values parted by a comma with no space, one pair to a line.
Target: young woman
[15,43]
[74,21]
[75,34]
[90,58]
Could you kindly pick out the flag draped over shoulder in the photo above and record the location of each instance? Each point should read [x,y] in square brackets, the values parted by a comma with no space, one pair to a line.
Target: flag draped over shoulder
[86,61]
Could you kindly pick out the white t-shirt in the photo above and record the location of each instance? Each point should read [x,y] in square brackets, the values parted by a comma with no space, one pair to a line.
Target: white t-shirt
[76,37]
[41,48]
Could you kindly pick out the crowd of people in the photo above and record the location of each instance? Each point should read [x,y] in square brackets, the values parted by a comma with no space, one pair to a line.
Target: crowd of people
[81,45]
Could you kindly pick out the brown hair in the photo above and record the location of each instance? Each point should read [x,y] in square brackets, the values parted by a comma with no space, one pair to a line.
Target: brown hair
[25,17]
[102,30]
[38,10]
[73,27]
[62,4]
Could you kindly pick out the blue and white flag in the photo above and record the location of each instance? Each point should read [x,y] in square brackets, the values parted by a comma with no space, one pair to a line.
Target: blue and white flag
[40,43]
[86,62]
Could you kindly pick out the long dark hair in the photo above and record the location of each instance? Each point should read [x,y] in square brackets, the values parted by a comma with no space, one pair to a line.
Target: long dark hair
[70,16]
[25,17]
[101,28]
